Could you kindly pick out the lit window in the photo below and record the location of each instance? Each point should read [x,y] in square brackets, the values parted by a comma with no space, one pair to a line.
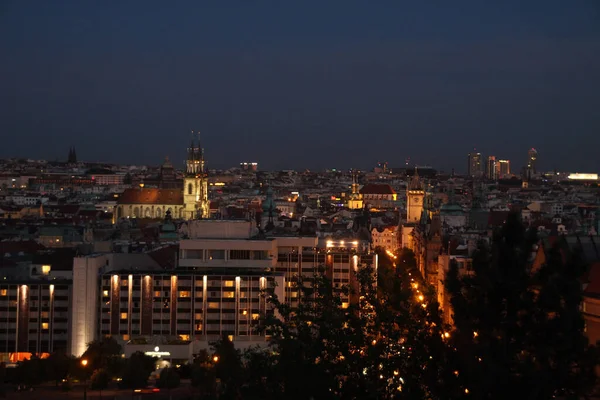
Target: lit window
[255,316]
[45,326]
[198,327]
[229,283]
[344,305]
[213,304]
[3,292]
[125,337]
[184,337]
[229,295]
[124,282]
[230,337]
[244,312]
[45,269]
[44,314]
[198,316]
[157,293]
[105,293]
[123,315]
[184,293]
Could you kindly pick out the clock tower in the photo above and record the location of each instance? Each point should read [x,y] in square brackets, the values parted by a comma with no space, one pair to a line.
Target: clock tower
[414,199]
[195,185]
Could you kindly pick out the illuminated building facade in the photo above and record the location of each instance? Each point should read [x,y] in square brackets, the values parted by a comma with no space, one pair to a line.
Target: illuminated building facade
[34,318]
[386,238]
[188,305]
[503,168]
[195,183]
[379,196]
[474,165]
[355,199]
[153,203]
[493,168]
[415,195]
[223,267]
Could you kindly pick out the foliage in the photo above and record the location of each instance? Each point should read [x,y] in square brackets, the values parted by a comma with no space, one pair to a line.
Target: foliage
[168,379]
[519,333]
[57,367]
[137,369]
[31,372]
[203,375]
[378,348]
[228,366]
[100,352]
[99,380]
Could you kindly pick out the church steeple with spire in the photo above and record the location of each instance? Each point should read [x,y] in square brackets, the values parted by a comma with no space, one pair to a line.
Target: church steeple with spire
[72,158]
[195,183]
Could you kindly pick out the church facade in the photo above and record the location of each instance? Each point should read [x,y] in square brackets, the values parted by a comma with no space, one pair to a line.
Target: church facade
[191,202]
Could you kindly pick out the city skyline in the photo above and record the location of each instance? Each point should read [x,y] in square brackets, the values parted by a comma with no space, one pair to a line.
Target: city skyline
[303,87]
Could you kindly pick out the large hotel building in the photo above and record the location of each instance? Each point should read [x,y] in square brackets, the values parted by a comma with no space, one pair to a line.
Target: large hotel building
[216,289]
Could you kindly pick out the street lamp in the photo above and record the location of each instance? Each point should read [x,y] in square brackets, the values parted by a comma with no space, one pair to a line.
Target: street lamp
[216,358]
[84,363]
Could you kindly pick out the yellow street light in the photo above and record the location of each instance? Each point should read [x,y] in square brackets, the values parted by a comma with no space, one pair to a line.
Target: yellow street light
[216,358]
[84,362]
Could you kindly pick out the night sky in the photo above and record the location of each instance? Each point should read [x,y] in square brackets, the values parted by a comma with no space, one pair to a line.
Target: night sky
[302,84]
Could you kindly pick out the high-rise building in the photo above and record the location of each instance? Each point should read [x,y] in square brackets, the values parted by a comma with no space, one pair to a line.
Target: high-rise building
[532,156]
[504,168]
[249,166]
[474,167]
[492,168]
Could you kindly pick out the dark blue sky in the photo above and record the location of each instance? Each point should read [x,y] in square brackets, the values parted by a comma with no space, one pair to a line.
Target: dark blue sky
[295,84]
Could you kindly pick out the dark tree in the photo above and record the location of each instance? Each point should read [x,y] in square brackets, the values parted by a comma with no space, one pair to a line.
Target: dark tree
[57,367]
[518,333]
[31,372]
[99,380]
[100,352]
[203,375]
[137,370]
[228,367]
[168,379]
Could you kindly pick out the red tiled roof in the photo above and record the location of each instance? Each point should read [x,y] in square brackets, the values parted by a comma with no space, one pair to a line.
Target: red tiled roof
[373,188]
[151,196]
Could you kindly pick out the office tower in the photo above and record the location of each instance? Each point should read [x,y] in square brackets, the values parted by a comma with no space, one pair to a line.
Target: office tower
[474,167]
[532,156]
[503,168]
[492,168]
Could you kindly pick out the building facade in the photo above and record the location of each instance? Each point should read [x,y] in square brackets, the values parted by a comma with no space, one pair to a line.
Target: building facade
[35,317]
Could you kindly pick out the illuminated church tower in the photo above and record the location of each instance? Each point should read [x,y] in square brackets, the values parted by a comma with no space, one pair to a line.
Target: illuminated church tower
[195,185]
[414,199]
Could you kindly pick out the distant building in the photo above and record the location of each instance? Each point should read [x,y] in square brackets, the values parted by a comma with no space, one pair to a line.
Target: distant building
[189,203]
[249,166]
[503,169]
[532,156]
[355,199]
[492,168]
[474,166]
[378,195]
[386,238]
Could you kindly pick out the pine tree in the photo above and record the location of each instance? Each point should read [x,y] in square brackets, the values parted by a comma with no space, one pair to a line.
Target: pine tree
[518,333]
